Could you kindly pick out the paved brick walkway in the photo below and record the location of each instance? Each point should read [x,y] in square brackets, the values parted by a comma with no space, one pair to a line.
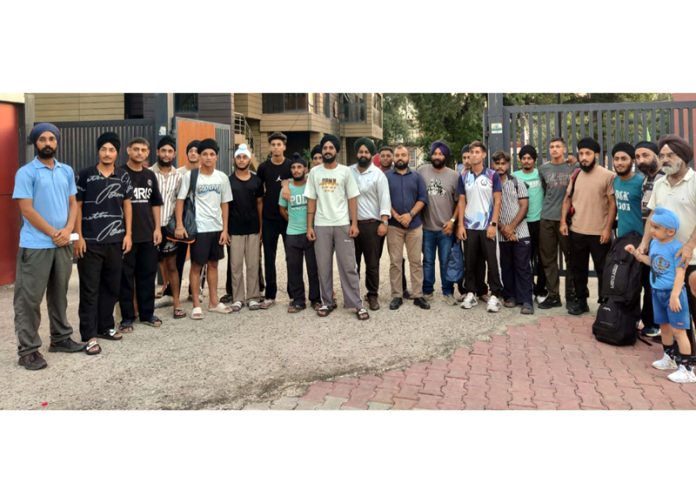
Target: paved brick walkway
[554,363]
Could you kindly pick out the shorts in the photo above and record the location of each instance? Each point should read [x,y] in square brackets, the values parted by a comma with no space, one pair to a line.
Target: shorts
[662,314]
[167,248]
[206,248]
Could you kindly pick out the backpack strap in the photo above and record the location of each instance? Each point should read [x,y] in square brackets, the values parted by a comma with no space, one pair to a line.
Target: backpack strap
[193,184]
[573,177]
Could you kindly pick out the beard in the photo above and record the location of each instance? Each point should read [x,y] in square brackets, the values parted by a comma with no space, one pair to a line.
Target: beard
[46,153]
[163,163]
[648,168]
[328,158]
[671,169]
[241,168]
[624,172]
[401,165]
[298,178]
[588,167]
[437,163]
[364,162]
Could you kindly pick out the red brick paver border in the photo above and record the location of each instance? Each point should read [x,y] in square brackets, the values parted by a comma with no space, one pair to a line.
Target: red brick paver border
[554,363]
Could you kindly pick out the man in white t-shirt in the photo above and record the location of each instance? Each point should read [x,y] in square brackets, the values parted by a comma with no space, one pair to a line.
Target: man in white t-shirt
[212,195]
[332,221]
[676,191]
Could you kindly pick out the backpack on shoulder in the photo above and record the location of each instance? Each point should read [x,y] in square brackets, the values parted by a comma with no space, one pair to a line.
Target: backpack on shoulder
[617,317]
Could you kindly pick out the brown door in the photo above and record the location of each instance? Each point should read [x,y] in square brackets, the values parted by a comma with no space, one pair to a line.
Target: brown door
[9,212]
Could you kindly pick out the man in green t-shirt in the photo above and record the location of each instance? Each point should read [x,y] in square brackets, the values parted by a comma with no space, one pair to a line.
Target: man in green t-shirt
[530,176]
[297,245]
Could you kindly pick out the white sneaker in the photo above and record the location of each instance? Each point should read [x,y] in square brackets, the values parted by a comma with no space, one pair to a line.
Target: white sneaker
[665,363]
[540,298]
[165,301]
[493,305]
[682,375]
[469,301]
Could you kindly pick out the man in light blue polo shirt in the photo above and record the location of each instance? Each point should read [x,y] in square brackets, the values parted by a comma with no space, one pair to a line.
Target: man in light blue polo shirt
[45,190]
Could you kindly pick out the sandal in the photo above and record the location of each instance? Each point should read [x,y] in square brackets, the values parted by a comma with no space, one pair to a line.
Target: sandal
[237,306]
[154,322]
[125,327]
[179,313]
[362,314]
[220,308]
[196,313]
[92,348]
[114,335]
[295,308]
[324,311]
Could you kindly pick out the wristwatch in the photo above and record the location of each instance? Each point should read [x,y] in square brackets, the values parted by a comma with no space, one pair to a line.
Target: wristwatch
[453,220]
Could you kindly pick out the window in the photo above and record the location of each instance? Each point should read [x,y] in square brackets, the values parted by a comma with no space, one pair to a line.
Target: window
[274,103]
[327,105]
[185,103]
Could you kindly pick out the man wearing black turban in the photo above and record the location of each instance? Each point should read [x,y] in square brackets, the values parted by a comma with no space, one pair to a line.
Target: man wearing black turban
[332,222]
[374,210]
[591,194]
[529,174]
[104,194]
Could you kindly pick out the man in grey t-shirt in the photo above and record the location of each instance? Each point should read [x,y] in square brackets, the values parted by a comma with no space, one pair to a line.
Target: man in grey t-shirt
[439,217]
[555,177]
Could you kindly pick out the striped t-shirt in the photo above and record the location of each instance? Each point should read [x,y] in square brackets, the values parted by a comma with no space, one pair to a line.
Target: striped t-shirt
[511,205]
[169,186]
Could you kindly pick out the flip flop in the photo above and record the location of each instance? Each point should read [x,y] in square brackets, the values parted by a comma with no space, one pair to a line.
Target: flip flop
[196,313]
[220,308]
[125,327]
[113,335]
[154,322]
[90,348]
[179,313]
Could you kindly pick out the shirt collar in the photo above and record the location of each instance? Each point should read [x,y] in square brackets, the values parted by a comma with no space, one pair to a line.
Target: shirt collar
[38,164]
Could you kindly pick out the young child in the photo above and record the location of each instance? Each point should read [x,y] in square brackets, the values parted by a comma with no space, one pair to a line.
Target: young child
[670,306]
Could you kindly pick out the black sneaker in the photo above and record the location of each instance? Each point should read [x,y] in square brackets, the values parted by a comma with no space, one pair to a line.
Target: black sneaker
[66,346]
[578,307]
[226,299]
[33,361]
[550,302]
[421,302]
[395,303]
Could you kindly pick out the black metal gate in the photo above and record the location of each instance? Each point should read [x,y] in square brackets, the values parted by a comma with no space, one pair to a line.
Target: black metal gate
[512,127]
[78,143]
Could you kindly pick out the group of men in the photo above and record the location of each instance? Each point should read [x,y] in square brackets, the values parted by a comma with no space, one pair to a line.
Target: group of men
[126,221]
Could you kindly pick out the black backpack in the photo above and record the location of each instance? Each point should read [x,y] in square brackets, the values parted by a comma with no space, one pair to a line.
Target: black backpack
[618,315]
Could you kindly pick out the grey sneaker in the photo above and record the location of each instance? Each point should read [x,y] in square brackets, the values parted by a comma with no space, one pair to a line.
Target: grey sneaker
[450,300]
[428,296]
[165,301]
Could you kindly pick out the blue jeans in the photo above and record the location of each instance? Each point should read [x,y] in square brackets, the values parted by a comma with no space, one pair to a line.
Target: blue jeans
[432,241]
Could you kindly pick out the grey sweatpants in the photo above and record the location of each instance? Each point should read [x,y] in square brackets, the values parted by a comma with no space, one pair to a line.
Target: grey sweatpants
[330,239]
[38,271]
[245,249]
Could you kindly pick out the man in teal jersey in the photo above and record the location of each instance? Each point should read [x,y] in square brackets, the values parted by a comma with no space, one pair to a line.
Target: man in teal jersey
[297,245]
